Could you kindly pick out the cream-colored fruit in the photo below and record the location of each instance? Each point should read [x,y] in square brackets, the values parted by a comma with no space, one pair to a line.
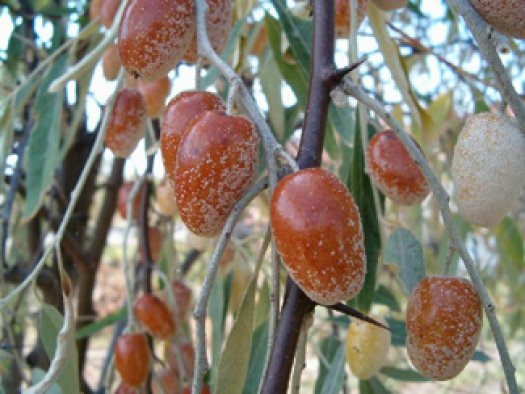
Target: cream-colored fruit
[366,347]
[390,5]
[506,16]
[488,168]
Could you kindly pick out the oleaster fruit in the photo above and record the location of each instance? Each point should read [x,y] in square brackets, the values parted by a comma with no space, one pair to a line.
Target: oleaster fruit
[317,231]
[155,93]
[443,321]
[393,171]
[111,63]
[488,168]
[218,26]
[179,112]
[216,163]
[122,200]
[342,16]
[366,347]
[153,36]
[126,124]
[154,316]
[507,16]
[132,358]
[165,195]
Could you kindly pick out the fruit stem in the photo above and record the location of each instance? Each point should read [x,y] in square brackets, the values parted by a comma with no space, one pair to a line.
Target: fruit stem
[482,33]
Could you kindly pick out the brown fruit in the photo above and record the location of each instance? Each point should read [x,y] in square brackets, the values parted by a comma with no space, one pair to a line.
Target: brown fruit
[123,388]
[443,320]
[132,358]
[216,162]
[183,349]
[393,171]
[169,381]
[126,125]
[108,10]
[342,16]
[155,93]
[154,316]
[218,26]
[182,294]
[166,199]
[506,16]
[205,389]
[94,9]
[153,37]
[122,200]
[111,63]
[156,239]
[317,231]
[180,111]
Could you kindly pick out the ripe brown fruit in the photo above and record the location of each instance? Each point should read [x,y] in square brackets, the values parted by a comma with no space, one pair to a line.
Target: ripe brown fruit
[218,26]
[126,125]
[111,63]
[169,381]
[132,358]
[123,388]
[393,171]
[154,316]
[488,168]
[180,111]
[318,233]
[205,390]
[122,200]
[94,9]
[183,349]
[166,199]
[108,10]
[153,38]
[342,16]
[506,16]
[155,93]
[216,162]
[182,294]
[156,240]
[390,5]
[443,320]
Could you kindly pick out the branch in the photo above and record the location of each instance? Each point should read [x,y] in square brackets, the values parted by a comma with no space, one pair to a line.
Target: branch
[440,194]
[482,34]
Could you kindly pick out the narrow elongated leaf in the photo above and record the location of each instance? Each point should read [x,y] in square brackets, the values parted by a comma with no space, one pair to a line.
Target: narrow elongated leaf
[44,142]
[510,247]
[98,325]
[271,84]
[37,375]
[405,250]
[372,386]
[216,310]
[405,375]
[233,366]
[257,359]
[335,378]
[385,297]
[328,348]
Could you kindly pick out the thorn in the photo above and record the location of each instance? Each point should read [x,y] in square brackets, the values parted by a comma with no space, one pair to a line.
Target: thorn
[334,77]
[349,311]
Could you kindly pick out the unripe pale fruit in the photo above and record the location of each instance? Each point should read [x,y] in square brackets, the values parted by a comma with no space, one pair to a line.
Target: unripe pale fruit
[218,26]
[342,16]
[366,347]
[443,321]
[108,10]
[506,16]
[122,200]
[317,231]
[488,168]
[390,5]
[132,358]
[166,199]
[155,93]
[393,171]
[154,316]
[216,162]
[154,35]
[111,63]
[126,125]
[180,111]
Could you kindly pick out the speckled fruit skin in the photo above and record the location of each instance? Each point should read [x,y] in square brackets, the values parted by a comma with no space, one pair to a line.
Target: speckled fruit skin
[488,168]
[154,35]
[126,125]
[506,16]
[390,5]
[342,16]
[366,347]
[122,200]
[111,63]
[166,199]
[443,320]
[393,171]
[155,93]
[216,162]
[179,112]
[218,26]
[317,230]
[132,358]
[154,316]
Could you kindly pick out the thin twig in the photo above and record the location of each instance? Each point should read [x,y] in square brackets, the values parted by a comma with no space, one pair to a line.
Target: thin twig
[440,194]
